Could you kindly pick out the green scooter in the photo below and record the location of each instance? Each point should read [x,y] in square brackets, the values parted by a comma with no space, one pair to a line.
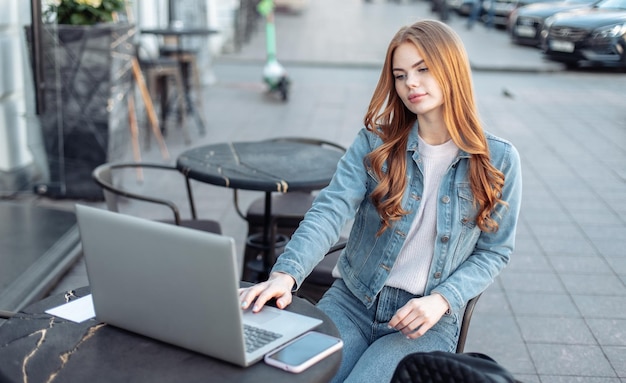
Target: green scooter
[274,74]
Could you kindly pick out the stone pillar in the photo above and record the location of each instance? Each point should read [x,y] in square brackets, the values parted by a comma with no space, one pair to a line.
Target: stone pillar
[17,163]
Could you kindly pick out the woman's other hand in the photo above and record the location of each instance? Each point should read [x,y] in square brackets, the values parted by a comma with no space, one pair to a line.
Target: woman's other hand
[279,286]
[418,315]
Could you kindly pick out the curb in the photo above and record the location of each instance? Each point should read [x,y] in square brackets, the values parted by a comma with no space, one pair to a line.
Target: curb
[371,65]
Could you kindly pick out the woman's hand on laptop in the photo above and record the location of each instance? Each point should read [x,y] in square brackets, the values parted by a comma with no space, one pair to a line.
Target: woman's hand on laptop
[279,286]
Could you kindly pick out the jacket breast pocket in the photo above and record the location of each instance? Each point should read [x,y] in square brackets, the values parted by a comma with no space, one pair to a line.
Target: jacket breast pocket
[469,231]
[467,209]
[363,227]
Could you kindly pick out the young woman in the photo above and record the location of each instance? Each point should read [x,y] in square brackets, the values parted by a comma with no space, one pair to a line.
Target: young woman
[435,202]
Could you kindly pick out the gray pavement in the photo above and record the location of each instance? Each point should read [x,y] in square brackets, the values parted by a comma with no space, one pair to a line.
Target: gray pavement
[558,312]
[354,33]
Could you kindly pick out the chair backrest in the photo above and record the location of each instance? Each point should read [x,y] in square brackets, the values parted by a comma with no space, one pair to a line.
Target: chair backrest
[308,140]
[447,367]
[103,176]
[467,317]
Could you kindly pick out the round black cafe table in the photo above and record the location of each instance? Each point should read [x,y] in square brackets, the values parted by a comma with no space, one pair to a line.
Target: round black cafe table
[270,165]
[37,347]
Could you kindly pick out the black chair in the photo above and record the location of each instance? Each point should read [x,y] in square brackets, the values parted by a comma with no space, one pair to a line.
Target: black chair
[159,72]
[103,175]
[465,323]
[447,367]
[188,61]
[288,210]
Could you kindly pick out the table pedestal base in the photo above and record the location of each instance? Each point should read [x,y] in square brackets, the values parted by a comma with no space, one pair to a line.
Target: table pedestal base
[257,265]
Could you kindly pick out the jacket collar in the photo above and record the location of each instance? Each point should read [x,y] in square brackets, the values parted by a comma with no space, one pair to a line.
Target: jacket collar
[413,143]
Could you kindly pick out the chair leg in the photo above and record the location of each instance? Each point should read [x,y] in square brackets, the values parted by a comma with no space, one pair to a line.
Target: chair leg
[182,106]
[197,83]
[162,91]
[192,74]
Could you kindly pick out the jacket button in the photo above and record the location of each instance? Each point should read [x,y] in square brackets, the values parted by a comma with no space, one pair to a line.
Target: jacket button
[437,274]
[445,239]
[445,199]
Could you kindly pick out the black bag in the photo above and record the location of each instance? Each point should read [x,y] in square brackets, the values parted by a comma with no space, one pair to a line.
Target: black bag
[446,367]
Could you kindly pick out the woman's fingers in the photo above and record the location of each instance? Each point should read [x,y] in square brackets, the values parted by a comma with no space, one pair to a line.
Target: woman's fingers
[249,295]
[418,316]
[271,291]
[278,286]
[405,316]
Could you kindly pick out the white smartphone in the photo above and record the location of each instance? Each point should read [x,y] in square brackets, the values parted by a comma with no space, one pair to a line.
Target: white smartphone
[303,352]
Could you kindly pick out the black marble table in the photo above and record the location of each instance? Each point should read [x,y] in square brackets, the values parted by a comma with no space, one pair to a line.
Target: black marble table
[36,347]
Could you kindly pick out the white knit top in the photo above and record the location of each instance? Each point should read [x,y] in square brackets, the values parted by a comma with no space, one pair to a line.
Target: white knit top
[411,268]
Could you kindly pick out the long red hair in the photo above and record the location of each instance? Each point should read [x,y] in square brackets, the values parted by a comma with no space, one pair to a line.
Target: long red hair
[387,116]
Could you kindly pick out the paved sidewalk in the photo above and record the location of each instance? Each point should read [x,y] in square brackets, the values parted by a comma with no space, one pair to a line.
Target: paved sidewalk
[558,312]
[355,33]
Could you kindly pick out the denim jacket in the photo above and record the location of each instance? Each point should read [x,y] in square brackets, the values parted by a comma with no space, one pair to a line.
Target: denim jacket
[466,260]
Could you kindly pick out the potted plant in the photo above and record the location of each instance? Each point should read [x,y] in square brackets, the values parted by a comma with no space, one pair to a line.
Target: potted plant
[87,76]
[83,12]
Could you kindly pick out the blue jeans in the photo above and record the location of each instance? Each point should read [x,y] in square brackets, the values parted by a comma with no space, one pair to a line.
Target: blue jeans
[372,351]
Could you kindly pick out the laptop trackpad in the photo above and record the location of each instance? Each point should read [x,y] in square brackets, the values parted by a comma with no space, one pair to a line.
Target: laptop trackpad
[266,315]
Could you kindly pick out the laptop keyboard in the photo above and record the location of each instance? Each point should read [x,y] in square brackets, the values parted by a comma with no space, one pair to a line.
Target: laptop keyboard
[257,337]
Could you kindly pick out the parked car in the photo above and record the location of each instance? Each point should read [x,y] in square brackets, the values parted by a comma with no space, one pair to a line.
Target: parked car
[523,3]
[526,22]
[595,36]
[502,11]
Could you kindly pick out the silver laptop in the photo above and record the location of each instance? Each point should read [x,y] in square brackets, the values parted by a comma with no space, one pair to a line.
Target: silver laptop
[176,285]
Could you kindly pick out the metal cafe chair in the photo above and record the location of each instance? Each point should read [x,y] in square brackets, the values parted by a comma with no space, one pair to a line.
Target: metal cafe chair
[465,323]
[187,59]
[288,210]
[448,367]
[159,72]
[103,175]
